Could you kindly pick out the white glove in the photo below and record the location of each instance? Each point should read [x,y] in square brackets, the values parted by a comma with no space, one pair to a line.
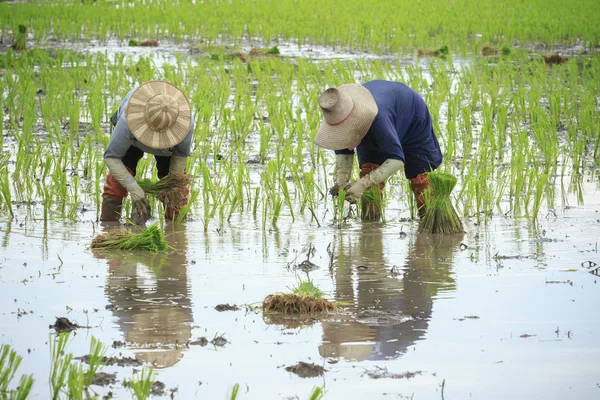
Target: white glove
[343,170]
[118,170]
[177,165]
[355,189]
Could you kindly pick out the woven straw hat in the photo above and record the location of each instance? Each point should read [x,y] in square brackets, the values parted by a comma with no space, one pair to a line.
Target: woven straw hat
[348,112]
[159,115]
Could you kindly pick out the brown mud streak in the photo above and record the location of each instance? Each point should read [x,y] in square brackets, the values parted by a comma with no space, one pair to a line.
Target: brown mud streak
[109,361]
[104,379]
[306,370]
[381,373]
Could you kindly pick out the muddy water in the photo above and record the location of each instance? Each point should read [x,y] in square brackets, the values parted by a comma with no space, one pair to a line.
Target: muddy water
[507,310]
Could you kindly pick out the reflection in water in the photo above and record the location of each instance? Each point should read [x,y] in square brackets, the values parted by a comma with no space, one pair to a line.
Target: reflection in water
[149,295]
[390,308]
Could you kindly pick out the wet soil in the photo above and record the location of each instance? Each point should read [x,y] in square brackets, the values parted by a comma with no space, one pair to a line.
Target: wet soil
[306,370]
[63,324]
[226,307]
[110,361]
[104,379]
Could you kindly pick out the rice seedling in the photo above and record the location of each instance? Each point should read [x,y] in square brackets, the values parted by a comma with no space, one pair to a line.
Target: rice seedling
[440,215]
[141,385]
[371,204]
[9,364]
[20,39]
[439,52]
[59,365]
[234,392]
[306,298]
[149,239]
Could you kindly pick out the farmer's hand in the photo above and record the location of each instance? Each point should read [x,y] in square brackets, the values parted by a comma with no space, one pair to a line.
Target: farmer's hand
[140,211]
[343,170]
[177,165]
[354,190]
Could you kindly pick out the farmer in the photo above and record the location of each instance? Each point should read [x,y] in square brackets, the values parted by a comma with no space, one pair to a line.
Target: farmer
[154,118]
[389,125]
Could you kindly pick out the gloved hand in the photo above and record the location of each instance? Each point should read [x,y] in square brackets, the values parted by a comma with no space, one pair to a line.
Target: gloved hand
[140,211]
[354,190]
[177,164]
[118,170]
[343,170]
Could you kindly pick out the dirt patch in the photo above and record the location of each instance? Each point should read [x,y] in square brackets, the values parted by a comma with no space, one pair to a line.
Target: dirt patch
[289,303]
[381,317]
[226,307]
[198,342]
[219,341]
[158,389]
[63,324]
[104,379]
[467,317]
[555,59]
[119,362]
[382,373]
[289,321]
[306,370]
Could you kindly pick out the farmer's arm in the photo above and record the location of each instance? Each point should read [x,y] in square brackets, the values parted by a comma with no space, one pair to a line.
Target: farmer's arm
[120,141]
[384,134]
[181,152]
[344,160]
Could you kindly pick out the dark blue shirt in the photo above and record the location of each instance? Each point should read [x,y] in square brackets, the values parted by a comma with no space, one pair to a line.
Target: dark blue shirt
[402,130]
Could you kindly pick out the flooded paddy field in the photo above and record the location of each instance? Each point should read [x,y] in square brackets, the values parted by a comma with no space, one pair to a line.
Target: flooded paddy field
[506,310]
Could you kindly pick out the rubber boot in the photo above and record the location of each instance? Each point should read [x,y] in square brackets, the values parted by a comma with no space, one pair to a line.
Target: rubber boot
[111,208]
[371,201]
[112,199]
[419,185]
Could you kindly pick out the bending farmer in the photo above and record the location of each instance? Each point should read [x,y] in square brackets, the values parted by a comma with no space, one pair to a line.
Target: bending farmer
[154,118]
[389,125]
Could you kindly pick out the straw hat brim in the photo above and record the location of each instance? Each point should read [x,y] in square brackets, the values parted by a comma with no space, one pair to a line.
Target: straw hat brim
[136,116]
[352,130]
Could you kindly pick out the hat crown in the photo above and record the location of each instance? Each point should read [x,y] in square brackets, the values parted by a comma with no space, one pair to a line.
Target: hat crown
[161,112]
[335,105]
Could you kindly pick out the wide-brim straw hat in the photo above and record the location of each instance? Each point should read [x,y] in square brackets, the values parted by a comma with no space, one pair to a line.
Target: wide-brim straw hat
[159,115]
[348,112]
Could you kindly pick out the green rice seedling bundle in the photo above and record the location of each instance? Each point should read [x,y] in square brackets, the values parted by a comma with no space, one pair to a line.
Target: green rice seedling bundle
[168,189]
[306,298]
[371,204]
[150,239]
[20,42]
[440,215]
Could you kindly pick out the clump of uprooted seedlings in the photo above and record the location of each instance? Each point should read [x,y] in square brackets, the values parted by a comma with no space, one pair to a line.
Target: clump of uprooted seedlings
[168,189]
[487,50]
[150,239]
[145,43]
[441,52]
[555,59]
[306,298]
[20,41]
[254,53]
[440,215]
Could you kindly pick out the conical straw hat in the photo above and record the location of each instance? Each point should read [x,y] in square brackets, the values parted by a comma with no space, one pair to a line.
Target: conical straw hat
[158,115]
[348,112]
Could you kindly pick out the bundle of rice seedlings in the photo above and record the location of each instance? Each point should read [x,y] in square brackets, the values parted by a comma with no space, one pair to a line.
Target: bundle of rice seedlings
[168,189]
[371,204]
[20,41]
[555,59]
[440,215]
[150,239]
[441,52]
[306,298]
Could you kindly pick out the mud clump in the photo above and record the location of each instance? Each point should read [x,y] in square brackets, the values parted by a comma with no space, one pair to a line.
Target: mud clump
[306,370]
[219,341]
[382,373]
[289,303]
[226,307]
[104,379]
[109,361]
[63,324]
[149,43]
[158,389]
[199,342]
[555,59]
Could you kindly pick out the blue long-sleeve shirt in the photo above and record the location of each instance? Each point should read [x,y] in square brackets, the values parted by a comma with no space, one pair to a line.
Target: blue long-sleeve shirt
[402,130]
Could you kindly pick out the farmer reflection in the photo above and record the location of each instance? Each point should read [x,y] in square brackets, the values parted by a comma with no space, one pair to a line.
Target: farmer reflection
[149,295]
[390,309]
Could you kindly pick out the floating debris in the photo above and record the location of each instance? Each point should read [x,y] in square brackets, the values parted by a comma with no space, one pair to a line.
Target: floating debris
[63,324]
[306,370]
[226,307]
